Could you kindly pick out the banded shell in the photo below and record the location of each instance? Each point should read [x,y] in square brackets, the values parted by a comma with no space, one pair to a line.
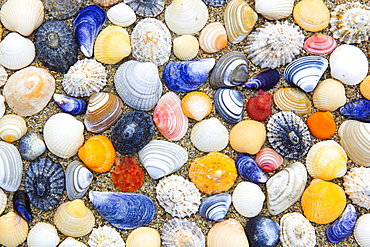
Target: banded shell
[142,236]
[248,136]
[343,227]
[105,3]
[259,107]
[321,125]
[227,233]
[365,87]
[292,99]
[21,204]
[296,230]
[62,9]
[356,185]
[161,158]
[320,44]
[360,232]
[145,8]
[121,15]
[43,235]
[185,47]
[3,201]
[239,20]
[264,80]
[11,167]
[229,104]
[274,10]
[248,199]
[178,196]
[329,95]
[127,176]
[105,235]
[196,105]
[213,38]
[14,229]
[268,160]
[311,15]
[215,207]
[262,231]
[70,105]
[12,127]
[71,242]
[31,146]
[78,179]
[216,3]
[248,169]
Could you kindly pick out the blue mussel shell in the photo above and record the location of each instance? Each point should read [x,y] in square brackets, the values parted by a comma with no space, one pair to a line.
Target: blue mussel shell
[343,227]
[70,105]
[358,109]
[21,204]
[262,232]
[248,169]
[264,80]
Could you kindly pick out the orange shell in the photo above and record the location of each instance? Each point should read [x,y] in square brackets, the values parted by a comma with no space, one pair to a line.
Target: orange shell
[321,125]
[248,136]
[98,153]
[365,87]
[196,105]
[213,173]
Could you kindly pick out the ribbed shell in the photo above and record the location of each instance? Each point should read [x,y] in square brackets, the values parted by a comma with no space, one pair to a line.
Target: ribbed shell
[365,87]
[227,233]
[329,95]
[356,185]
[121,14]
[42,235]
[3,76]
[3,201]
[11,167]
[62,9]
[71,242]
[361,234]
[215,207]
[322,125]
[2,106]
[105,236]
[248,199]
[209,135]
[274,9]
[146,8]
[311,15]
[78,179]
[14,229]
[248,136]
[196,105]
[143,236]
[296,230]
[213,38]
[268,159]
[292,99]
[12,127]
[320,44]
[185,47]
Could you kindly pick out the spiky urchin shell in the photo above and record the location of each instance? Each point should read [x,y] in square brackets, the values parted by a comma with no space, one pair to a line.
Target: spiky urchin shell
[350,22]
[274,45]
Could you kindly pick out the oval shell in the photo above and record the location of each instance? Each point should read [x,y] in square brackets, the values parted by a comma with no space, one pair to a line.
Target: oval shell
[268,160]
[213,38]
[365,87]
[143,236]
[248,199]
[227,233]
[127,176]
[3,76]
[229,104]
[185,47]
[43,235]
[329,95]
[14,229]
[311,15]
[78,179]
[343,227]
[320,44]
[105,3]
[215,207]
[11,167]
[121,14]
[292,99]
[248,136]
[196,105]
[262,231]
[62,9]
[209,135]
[322,125]
[296,230]
[71,242]
[360,232]
[12,127]
[274,10]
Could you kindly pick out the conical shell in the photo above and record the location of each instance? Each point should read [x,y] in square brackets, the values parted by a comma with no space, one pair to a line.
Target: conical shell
[71,242]
[3,201]
[143,236]
[311,15]
[14,229]
[274,9]
[121,14]
[329,95]
[12,128]
[365,87]
[248,199]
[185,47]
[227,233]
[209,135]
[11,167]
[43,235]
[361,230]
[196,105]
[248,136]
[292,99]
[296,230]
[213,38]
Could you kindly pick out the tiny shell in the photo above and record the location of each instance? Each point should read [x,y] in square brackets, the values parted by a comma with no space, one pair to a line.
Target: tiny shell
[14,229]
[3,201]
[248,136]
[11,167]
[311,15]
[360,232]
[143,236]
[78,179]
[322,125]
[43,235]
[213,38]
[127,176]
[296,230]
[209,135]
[71,242]
[268,160]
[343,227]
[12,127]
[365,87]
[31,146]
[70,105]
[248,199]
[229,104]
[227,233]
[146,8]
[248,169]
[320,44]
[274,10]
[121,14]
[105,236]
[292,99]
[196,105]
[356,184]
[329,95]
[185,47]
[215,207]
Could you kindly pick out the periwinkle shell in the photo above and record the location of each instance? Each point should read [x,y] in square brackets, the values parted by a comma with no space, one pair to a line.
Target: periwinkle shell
[21,204]
[215,207]
[264,80]
[343,227]
[262,232]
[249,170]
[31,146]
[358,109]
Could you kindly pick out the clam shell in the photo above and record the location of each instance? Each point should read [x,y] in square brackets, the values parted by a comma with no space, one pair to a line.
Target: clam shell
[343,227]
[274,10]
[105,235]
[248,169]
[127,176]
[248,199]
[70,105]
[213,38]
[358,109]
[12,127]
[145,8]
[11,167]
[185,47]
[248,136]
[78,179]
[292,99]
[264,80]
[262,231]
[31,146]
[322,125]
[105,3]
[14,229]
[62,9]
[360,232]
[215,207]
[71,242]
[356,184]
[121,15]
[3,76]
[227,233]
[43,235]
[196,105]
[21,204]
[320,44]
[143,236]
[329,95]
[365,87]
[3,201]
[268,160]
[229,104]
[296,230]
[311,15]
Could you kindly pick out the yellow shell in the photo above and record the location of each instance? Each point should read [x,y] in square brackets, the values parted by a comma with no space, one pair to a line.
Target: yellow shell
[365,87]
[227,233]
[185,47]
[196,105]
[329,95]
[311,15]
[292,99]
[248,136]
[323,202]
[14,229]
[143,236]
[112,45]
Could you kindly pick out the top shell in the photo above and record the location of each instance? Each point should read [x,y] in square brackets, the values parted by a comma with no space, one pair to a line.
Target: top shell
[146,8]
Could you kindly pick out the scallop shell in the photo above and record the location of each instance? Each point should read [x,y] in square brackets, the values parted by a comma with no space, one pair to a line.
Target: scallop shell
[365,87]
[63,135]
[322,125]
[178,196]
[127,176]
[12,127]
[311,15]
[286,187]
[296,230]
[151,41]
[274,10]
[268,160]
[71,242]
[360,232]
[105,3]
[43,235]
[227,233]
[3,201]
[248,199]
[121,15]
[29,90]
[14,229]
[62,9]
[70,105]
[229,104]
[320,44]
[185,47]
[2,106]
[11,167]
[145,8]
[105,236]
[262,231]
[348,64]
[239,20]
[215,207]
[209,135]
[161,158]
[78,179]
[343,227]
[356,185]
[22,16]
[31,146]
[213,38]
[292,99]
[143,236]
[329,95]
[196,105]
[3,76]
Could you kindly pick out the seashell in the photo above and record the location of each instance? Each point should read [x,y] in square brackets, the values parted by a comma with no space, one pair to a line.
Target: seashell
[103,110]
[98,153]
[78,179]
[209,135]
[128,176]
[321,125]
[227,233]
[365,87]
[186,76]
[248,136]
[3,76]
[274,45]
[311,15]
[306,72]
[74,219]
[178,196]
[274,10]
[239,20]
[259,107]
[3,201]
[86,26]
[10,166]
[161,158]
[213,38]
[360,233]
[132,132]
[229,104]
[349,22]
[14,229]
[356,184]
[348,64]
[264,80]
[196,105]
[186,17]
[358,109]
[2,106]
[62,9]
[262,231]
[185,47]
[16,51]
[292,99]
[169,118]
[329,95]
[71,242]
[43,235]
[343,227]
[70,105]
[248,199]
[21,204]
[248,169]
[105,3]
[138,84]
[121,15]
[286,187]
[56,46]
[151,41]
[216,3]
[326,160]
[142,236]
[231,70]
[177,232]
[112,45]
[63,135]
[288,135]
[268,160]
[105,235]
[320,44]
[354,138]
[143,8]
[213,173]
[323,202]
[125,211]
[296,230]
[29,90]
[215,207]
[12,127]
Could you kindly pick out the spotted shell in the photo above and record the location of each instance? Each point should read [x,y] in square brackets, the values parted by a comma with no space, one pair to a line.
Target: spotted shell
[311,15]
[105,235]
[292,99]
[248,136]
[121,14]
[3,201]
[185,47]
[274,10]
[213,38]
[196,105]
[268,159]
[143,236]
[329,95]
[14,229]
[356,184]
[296,230]
[12,127]
[365,87]
[227,233]
[248,199]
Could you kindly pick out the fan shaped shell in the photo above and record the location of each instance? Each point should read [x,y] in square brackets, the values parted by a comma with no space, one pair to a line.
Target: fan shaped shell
[71,242]
[329,95]
[248,136]
[185,47]
[127,176]
[356,185]
[14,229]
[295,230]
[322,125]
[320,44]
[213,38]
[12,127]
[121,15]
[105,3]
[142,236]
[311,15]
[274,10]
[2,106]
[268,159]
[11,165]
[43,235]
[229,104]
[62,9]
[227,233]
[365,87]
[209,135]
[248,199]
[3,201]
[196,105]
[292,99]
[360,231]
[78,179]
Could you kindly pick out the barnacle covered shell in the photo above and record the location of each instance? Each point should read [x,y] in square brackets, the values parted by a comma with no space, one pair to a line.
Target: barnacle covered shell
[43,235]
[329,95]
[311,15]
[196,105]
[296,230]
[105,236]
[292,99]
[209,135]
[142,236]
[227,233]
[14,229]
[31,146]
[356,185]
[274,10]
[145,8]
[248,199]
[248,136]
[12,127]
[213,38]
[11,167]
[78,179]
[360,231]
[121,14]
[215,207]
[185,47]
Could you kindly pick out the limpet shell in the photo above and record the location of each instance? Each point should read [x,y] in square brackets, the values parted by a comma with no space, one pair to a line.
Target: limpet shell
[329,95]
[43,235]
[227,233]
[105,236]
[196,105]
[185,47]
[274,9]
[259,107]
[121,15]
[292,99]
[248,199]
[143,236]
[12,127]
[360,232]
[248,136]
[146,8]
[11,167]
[311,15]
[14,229]
[356,185]
[296,230]
[213,38]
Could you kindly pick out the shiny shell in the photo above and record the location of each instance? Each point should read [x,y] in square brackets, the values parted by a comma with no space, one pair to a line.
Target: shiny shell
[227,233]
[360,232]
[145,8]
[127,176]
[142,236]
[196,105]
[105,235]
[11,167]
[71,242]
[185,47]
[274,10]
[229,104]
[121,15]
[329,95]
[343,227]
[268,160]
[43,235]
[78,179]
[264,80]
[14,229]
[105,3]
[12,127]
[320,44]
[259,107]
[365,87]
[322,125]
[292,99]
[311,15]
[248,136]
[296,230]
[31,146]
[62,9]
[262,231]
[357,109]
[356,185]
[213,38]
[248,199]
[3,201]
[69,104]
[21,204]
[215,207]
[248,169]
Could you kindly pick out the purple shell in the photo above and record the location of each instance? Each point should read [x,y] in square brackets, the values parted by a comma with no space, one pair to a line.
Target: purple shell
[248,169]
[343,227]
[70,105]
[358,109]
[264,80]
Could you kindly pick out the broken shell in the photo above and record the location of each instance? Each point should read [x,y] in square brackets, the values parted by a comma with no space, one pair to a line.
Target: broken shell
[215,207]
[296,230]
[12,127]
[213,38]
[292,99]
[268,160]
[356,185]
[14,229]
[196,105]
[105,235]
[209,135]
[274,10]
[311,15]
[185,47]
[121,14]
[248,136]
[31,146]
[143,236]
[11,167]
[227,233]
[78,179]
[248,199]
[43,235]
[329,95]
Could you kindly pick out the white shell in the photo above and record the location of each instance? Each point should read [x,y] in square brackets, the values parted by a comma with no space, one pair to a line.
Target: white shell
[71,242]
[357,186]
[274,9]
[16,51]
[63,135]
[105,236]
[3,76]
[10,167]
[361,231]
[185,47]
[2,106]
[348,64]
[209,135]
[3,201]
[296,230]
[43,235]
[12,127]
[248,199]
[78,179]
[143,236]
[121,14]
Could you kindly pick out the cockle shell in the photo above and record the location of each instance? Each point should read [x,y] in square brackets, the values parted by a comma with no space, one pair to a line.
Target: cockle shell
[356,185]
[105,236]
[185,47]
[322,125]
[248,169]
[365,87]
[229,104]
[274,10]
[62,9]
[31,146]
[145,8]
[12,127]
[127,176]
[3,76]
[227,233]
[262,231]
[21,204]
[71,242]
[143,236]
[264,80]
[329,95]
[343,227]
[259,107]
[196,105]
[63,135]
[311,15]
[213,38]
[78,179]
[70,105]
[292,99]
[248,136]
[215,207]
[268,160]
[296,230]
[320,44]
[161,158]
[14,229]
[43,235]
[121,14]
[360,232]
[248,199]
[11,167]
[3,201]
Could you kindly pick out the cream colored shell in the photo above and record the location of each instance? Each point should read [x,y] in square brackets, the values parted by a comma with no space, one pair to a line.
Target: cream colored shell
[213,38]
[209,135]
[292,99]
[311,15]
[248,199]
[185,47]
[71,242]
[296,230]
[14,229]
[3,201]
[227,233]
[2,106]
[248,136]
[121,14]
[43,235]
[12,127]
[361,231]
[143,236]
[329,95]
[357,186]
[274,9]
[3,76]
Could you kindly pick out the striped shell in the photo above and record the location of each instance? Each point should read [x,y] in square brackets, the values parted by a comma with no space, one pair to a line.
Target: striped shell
[248,199]
[209,135]
[268,159]
[274,10]
[185,47]
[296,230]
[215,207]
[311,15]
[320,44]
[356,185]
[12,127]
[292,99]
[227,233]
[213,38]
[11,167]
[196,105]
[41,234]
[78,179]
[14,229]
[121,15]
[229,103]
[143,236]
[248,136]
[343,227]
[329,95]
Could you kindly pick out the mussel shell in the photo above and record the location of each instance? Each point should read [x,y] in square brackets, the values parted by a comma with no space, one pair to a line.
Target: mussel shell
[248,169]
[343,227]
[358,109]
[31,146]
[229,104]
[215,207]
[70,105]
[21,204]
[264,80]
[262,232]
[78,179]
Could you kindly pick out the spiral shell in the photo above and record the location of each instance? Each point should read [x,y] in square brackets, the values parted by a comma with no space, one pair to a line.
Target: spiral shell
[143,236]
[213,38]
[292,99]
[11,165]
[121,14]
[185,47]
[274,10]
[248,199]
[43,235]
[296,230]
[227,233]
[14,229]
[196,105]
[311,15]
[248,136]
[209,135]
[12,127]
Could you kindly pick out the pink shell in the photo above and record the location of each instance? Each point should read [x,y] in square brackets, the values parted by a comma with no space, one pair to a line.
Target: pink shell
[320,44]
[169,118]
[268,160]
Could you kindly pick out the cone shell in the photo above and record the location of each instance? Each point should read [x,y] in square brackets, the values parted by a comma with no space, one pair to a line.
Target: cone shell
[296,230]
[248,199]
[121,15]
[323,202]
[14,229]
[12,128]
[185,47]
[227,233]
[292,99]
[3,201]
[248,136]
[356,185]
[322,125]
[42,235]
[274,9]
[213,38]
[143,236]
[11,167]
[209,135]
[74,219]
[329,95]
[268,160]
[320,44]
[196,105]
[361,230]
[365,87]
[311,15]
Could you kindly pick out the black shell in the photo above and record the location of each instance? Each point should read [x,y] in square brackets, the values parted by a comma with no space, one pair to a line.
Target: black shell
[262,232]
[62,9]
[44,183]
[146,8]
[21,204]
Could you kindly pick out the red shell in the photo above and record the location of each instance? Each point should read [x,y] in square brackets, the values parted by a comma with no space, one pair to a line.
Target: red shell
[320,44]
[128,176]
[260,107]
